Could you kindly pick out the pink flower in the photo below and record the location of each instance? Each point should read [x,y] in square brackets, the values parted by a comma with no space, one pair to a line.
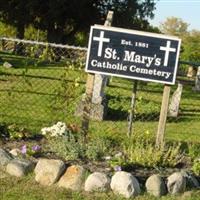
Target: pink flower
[117,168]
[24,149]
[36,148]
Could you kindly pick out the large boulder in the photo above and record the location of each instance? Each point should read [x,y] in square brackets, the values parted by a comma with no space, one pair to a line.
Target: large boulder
[125,184]
[73,178]
[48,171]
[19,168]
[97,182]
[191,180]
[176,183]
[155,185]
[5,158]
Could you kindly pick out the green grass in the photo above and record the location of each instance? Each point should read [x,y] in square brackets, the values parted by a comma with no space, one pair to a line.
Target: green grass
[27,188]
[35,94]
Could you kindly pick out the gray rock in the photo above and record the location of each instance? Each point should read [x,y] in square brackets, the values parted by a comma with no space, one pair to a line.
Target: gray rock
[191,181]
[97,182]
[175,101]
[73,178]
[156,186]
[48,171]
[125,184]
[19,168]
[7,65]
[5,157]
[176,183]
[15,152]
[197,81]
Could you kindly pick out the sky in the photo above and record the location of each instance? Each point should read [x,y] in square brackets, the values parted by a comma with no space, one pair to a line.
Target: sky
[187,10]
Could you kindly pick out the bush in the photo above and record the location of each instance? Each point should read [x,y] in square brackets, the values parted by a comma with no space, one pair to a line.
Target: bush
[194,150]
[32,33]
[97,148]
[7,30]
[68,149]
[144,153]
[196,167]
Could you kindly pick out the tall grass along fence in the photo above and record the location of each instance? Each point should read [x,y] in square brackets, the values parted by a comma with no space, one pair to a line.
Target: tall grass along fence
[43,83]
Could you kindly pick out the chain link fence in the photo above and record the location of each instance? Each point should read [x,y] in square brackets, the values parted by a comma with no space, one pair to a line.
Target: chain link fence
[43,83]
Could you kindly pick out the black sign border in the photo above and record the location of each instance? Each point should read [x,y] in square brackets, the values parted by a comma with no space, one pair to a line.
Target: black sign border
[141,33]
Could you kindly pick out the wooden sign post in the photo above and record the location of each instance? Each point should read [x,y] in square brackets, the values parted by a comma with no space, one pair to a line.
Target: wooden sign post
[89,89]
[163,116]
[132,109]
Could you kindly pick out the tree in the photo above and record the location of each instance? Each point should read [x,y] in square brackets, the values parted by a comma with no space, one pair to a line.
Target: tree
[174,26]
[15,13]
[62,19]
[191,45]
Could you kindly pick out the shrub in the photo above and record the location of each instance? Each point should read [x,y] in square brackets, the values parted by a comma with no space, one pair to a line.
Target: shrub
[196,167]
[32,33]
[145,154]
[7,30]
[97,148]
[194,150]
[68,149]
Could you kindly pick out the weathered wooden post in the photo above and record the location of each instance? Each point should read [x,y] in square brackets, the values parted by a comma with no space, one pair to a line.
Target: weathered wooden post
[132,109]
[163,116]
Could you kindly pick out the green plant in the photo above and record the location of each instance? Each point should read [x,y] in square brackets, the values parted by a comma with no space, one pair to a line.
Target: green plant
[69,149]
[7,30]
[144,153]
[15,132]
[194,150]
[32,33]
[97,148]
[196,167]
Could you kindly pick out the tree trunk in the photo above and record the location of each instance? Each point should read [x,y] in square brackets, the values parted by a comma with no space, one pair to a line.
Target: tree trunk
[19,46]
[54,35]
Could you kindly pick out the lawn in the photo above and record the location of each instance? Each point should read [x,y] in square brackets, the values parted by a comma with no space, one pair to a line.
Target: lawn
[35,94]
[27,189]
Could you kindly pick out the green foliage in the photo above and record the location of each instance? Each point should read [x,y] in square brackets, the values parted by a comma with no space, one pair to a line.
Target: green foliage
[191,47]
[97,148]
[75,147]
[196,167]
[174,26]
[61,21]
[66,92]
[143,152]
[7,30]
[194,150]
[15,132]
[31,33]
[81,39]
[69,149]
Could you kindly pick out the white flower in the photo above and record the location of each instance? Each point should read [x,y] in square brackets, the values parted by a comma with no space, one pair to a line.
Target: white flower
[56,130]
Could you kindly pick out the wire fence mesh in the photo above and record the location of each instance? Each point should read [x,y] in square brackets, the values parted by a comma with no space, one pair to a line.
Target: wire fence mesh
[43,83]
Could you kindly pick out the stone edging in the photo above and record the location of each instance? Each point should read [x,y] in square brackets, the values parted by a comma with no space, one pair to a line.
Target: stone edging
[75,177]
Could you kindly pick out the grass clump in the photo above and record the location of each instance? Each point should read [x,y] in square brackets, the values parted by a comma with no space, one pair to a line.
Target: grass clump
[75,148]
[142,151]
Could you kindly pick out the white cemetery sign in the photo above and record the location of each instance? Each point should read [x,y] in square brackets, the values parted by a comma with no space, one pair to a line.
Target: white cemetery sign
[133,54]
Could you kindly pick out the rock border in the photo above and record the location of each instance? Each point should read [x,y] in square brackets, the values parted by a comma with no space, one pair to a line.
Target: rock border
[75,177]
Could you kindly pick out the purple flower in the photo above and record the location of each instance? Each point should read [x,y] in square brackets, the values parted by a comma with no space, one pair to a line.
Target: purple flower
[117,168]
[36,148]
[24,149]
